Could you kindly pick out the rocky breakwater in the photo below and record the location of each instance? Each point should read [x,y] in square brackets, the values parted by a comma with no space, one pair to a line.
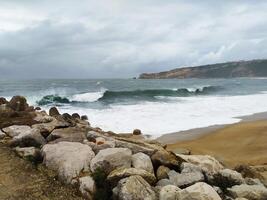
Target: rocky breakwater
[104,165]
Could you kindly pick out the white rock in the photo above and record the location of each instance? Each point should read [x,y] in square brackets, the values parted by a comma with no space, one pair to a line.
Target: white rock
[67,158]
[15,130]
[142,161]
[87,187]
[134,188]
[206,162]
[111,158]
[185,179]
[199,191]
[251,192]
[169,192]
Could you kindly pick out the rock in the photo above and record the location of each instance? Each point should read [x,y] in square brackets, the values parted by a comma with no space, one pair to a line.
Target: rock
[29,153]
[169,192]
[116,175]
[29,138]
[166,158]
[137,132]
[207,163]
[189,167]
[111,158]
[15,130]
[38,108]
[135,188]
[53,111]
[185,179]
[227,178]
[164,182]
[87,187]
[135,147]
[100,140]
[252,181]
[2,135]
[199,191]
[76,116]
[3,101]
[84,117]
[142,161]
[18,103]
[96,148]
[162,172]
[42,117]
[182,151]
[71,134]
[68,159]
[251,192]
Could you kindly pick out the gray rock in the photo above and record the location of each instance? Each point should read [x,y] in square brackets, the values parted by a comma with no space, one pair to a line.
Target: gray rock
[142,161]
[87,187]
[2,135]
[15,130]
[67,158]
[189,167]
[251,192]
[164,182]
[29,138]
[135,188]
[116,175]
[162,172]
[71,134]
[111,158]
[252,181]
[199,191]
[185,179]
[207,163]
[227,178]
[169,192]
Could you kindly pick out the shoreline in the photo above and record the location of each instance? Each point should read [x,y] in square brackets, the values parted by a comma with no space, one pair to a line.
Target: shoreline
[196,133]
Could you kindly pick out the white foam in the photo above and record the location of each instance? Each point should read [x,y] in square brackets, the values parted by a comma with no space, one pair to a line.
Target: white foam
[186,113]
[88,97]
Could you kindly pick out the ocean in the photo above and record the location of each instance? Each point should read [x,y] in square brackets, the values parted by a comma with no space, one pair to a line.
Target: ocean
[156,107]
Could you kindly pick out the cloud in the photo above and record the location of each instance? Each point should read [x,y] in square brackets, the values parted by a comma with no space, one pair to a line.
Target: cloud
[118,38]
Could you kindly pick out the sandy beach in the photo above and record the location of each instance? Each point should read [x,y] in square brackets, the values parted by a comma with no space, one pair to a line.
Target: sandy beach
[241,143]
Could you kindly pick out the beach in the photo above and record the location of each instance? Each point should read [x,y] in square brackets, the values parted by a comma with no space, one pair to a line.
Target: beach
[240,143]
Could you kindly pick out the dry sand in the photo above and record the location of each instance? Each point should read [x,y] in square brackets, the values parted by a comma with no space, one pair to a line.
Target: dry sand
[241,143]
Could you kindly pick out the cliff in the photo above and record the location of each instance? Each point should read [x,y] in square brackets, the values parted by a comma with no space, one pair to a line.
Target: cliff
[253,68]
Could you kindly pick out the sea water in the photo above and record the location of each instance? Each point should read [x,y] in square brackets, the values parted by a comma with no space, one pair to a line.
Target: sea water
[156,107]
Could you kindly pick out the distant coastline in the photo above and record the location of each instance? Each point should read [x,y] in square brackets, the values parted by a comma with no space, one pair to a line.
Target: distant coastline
[251,68]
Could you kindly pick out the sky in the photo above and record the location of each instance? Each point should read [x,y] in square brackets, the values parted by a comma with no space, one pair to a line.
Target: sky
[123,38]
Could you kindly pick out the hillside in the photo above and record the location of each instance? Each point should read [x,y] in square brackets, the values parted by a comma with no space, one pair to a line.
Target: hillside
[253,68]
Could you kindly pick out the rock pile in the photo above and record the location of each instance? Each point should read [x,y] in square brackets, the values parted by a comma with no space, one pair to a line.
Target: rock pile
[103,165]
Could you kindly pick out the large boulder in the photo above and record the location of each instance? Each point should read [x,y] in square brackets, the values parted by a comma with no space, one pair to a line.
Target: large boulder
[227,178]
[111,158]
[199,191]
[18,103]
[185,179]
[116,175]
[142,161]
[71,134]
[87,187]
[67,158]
[29,138]
[162,172]
[134,188]
[206,162]
[169,192]
[251,192]
[15,130]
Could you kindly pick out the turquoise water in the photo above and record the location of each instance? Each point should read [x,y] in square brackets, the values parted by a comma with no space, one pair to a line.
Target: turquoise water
[155,106]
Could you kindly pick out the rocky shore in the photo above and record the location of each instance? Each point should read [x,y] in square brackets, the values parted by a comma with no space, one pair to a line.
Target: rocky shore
[104,165]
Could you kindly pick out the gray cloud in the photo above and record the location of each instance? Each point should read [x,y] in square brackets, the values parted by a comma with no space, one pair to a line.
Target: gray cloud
[118,38]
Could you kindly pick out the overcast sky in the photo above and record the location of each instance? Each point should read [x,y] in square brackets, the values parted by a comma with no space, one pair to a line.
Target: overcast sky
[122,38]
